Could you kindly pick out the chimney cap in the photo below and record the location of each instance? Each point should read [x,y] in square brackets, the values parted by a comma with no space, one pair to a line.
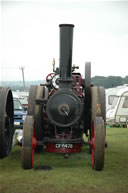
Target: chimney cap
[66,25]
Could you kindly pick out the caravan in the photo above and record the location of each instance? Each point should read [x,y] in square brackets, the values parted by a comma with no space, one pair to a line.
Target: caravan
[111,94]
[118,114]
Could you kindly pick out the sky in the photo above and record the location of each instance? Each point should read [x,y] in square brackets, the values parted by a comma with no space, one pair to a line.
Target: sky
[30,37]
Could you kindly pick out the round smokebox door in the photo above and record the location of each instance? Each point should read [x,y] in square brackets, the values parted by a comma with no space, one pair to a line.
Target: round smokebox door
[64,108]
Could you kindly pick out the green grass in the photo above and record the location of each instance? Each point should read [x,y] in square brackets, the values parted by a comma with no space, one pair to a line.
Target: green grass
[73,175]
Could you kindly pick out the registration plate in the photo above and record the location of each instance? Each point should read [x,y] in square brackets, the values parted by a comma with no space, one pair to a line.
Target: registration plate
[16,123]
[65,145]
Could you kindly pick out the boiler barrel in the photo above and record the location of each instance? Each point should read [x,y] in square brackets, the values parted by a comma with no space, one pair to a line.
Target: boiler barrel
[66,42]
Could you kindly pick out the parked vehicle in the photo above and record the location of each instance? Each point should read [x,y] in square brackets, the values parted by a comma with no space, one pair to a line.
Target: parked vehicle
[19,113]
[111,94]
[118,114]
[23,97]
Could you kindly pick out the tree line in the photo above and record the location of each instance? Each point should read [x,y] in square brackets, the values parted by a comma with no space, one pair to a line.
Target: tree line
[107,82]
[110,81]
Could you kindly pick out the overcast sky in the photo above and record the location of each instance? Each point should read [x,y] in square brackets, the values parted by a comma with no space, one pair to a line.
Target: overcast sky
[30,36]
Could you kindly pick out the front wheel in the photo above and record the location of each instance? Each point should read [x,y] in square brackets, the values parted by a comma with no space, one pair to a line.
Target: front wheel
[29,143]
[36,111]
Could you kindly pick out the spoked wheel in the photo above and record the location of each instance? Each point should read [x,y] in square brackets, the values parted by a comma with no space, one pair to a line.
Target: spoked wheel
[88,96]
[36,110]
[97,144]
[6,121]
[29,143]
[97,131]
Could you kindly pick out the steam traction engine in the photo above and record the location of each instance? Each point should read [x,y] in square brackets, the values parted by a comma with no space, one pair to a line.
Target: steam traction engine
[63,109]
[6,121]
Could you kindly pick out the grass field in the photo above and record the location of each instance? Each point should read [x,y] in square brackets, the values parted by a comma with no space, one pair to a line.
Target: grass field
[73,175]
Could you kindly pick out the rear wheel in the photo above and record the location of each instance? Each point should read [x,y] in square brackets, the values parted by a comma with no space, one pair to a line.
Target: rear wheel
[94,102]
[6,121]
[88,96]
[97,144]
[87,76]
[97,131]
[103,108]
[102,102]
[28,143]
[96,110]
[31,100]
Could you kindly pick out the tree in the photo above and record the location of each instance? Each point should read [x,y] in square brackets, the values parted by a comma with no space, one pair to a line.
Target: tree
[107,82]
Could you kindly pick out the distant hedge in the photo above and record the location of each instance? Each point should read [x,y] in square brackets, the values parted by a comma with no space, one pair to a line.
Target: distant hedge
[107,82]
[110,81]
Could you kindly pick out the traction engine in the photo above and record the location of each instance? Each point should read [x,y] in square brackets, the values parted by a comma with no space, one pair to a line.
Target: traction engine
[61,111]
[6,121]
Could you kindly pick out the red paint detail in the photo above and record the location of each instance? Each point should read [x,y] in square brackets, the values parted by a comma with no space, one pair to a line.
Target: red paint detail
[34,143]
[49,77]
[98,105]
[77,84]
[25,105]
[50,147]
[92,142]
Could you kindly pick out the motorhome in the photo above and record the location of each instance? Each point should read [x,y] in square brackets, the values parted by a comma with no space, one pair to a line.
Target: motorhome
[118,113]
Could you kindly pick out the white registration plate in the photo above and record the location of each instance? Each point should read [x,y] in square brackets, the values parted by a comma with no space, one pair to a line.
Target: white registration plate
[67,146]
[16,123]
